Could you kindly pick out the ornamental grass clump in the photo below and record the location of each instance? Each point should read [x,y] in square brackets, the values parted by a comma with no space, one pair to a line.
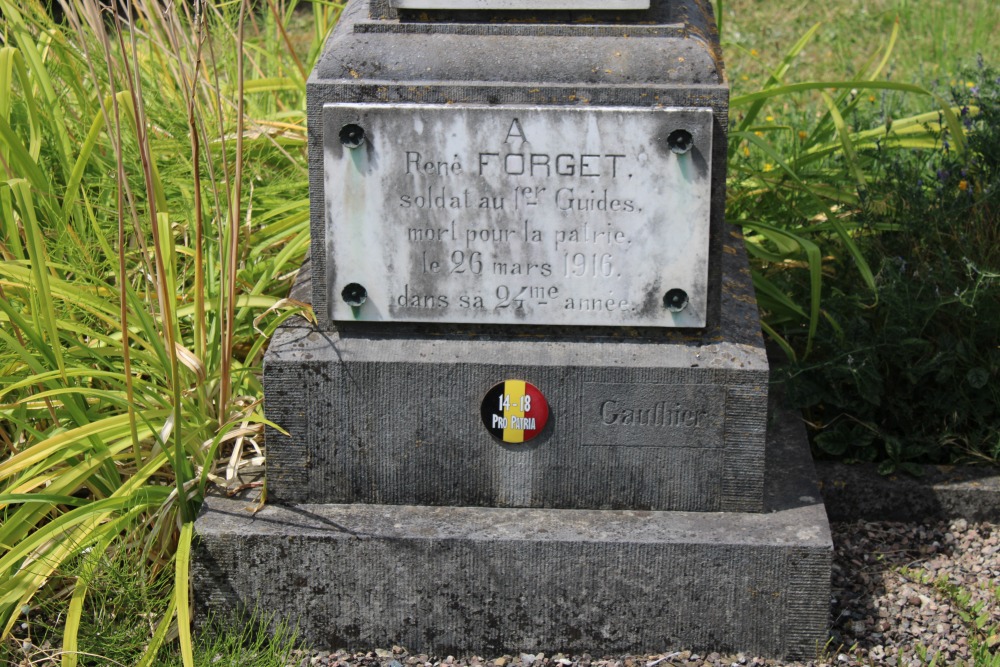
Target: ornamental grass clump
[153,209]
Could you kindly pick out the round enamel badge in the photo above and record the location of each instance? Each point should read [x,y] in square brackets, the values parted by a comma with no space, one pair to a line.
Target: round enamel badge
[515,411]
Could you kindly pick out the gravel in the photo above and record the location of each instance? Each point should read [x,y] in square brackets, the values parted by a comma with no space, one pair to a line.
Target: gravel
[904,594]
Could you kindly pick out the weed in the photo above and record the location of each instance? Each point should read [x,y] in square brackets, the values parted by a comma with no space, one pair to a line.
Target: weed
[259,641]
[120,616]
[123,603]
[975,609]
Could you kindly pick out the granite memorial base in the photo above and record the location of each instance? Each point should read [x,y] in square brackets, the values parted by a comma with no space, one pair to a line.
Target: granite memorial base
[488,581]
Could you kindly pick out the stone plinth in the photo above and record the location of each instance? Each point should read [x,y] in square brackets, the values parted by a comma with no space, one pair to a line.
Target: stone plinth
[488,581]
[640,420]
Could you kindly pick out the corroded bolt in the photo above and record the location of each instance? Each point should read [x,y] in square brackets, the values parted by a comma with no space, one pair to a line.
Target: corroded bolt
[354,294]
[352,135]
[675,300]
[680,141]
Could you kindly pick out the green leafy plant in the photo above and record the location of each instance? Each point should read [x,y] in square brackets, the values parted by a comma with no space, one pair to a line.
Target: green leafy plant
[914,377]
[123,606]
[153,209]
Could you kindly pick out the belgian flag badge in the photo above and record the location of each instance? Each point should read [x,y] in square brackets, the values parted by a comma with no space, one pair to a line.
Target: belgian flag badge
[515,411]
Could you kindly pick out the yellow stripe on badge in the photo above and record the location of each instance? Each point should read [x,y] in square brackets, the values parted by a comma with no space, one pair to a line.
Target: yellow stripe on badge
[514,389]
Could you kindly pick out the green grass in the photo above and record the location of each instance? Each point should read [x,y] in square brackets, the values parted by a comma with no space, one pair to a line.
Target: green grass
[254,642]
[124,604]
[937,38]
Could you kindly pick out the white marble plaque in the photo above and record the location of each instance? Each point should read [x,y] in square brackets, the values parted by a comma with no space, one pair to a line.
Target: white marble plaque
[518,214]
[565,5]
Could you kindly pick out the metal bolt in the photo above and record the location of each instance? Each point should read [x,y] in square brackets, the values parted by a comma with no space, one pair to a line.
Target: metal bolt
[354,294]
[352,135]
[675,300]
[680,141]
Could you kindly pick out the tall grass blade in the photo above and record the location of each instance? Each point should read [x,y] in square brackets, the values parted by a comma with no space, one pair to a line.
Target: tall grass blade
[846,144]
[71,628]
[159,635]
[181,579]
[776,77]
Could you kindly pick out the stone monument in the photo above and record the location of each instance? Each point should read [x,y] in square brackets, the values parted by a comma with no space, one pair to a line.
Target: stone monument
[533,414]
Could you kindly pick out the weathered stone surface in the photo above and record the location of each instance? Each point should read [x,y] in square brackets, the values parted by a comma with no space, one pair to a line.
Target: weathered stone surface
[606,5]
[465,580]
[518,214]
[857,491]
[665,57]
[666,420]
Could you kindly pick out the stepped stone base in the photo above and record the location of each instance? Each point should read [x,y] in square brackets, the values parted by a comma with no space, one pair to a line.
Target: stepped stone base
[487,581]
[640,419]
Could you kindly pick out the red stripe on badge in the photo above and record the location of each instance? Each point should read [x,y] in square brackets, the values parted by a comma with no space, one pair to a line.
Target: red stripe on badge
[538,411]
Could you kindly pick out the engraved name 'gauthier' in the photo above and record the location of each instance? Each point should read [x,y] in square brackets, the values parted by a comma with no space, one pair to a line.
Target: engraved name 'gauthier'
[661,414]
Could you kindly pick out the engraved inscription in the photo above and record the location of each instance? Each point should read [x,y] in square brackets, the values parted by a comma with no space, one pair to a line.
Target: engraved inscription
[658,415]
[517,214]
[661,414]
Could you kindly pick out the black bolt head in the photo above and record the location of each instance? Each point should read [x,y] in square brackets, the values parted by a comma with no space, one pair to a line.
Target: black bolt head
[352,135]
[675,300]
[680,141]
[354,294]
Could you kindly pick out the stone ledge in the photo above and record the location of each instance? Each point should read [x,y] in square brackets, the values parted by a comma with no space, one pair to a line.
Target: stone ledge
[857,491]
[479,580]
